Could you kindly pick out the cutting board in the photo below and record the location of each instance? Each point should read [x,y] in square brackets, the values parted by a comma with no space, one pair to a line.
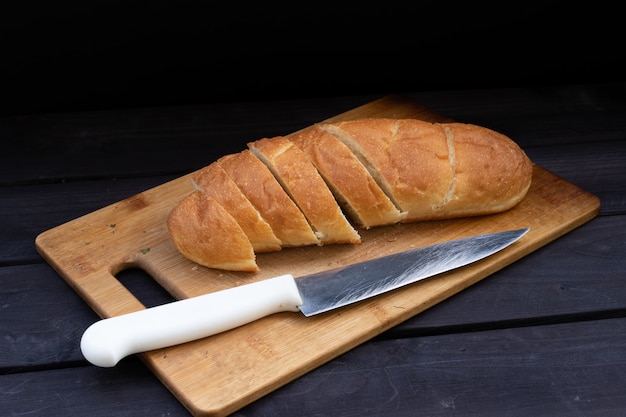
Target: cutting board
[220,374]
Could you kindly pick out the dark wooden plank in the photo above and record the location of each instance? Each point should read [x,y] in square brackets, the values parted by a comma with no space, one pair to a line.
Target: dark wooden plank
[564,369]
[27,210]
[147,141]
[539,288]
[535,116]
[128,390]
[597,166]
[42,319]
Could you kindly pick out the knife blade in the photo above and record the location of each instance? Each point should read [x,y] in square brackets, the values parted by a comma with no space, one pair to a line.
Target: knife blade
[107,341]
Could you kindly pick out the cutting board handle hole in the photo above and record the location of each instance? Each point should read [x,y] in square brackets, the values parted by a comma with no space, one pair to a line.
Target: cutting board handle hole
[143,287]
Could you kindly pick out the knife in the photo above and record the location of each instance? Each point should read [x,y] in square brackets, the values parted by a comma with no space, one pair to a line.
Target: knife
[107,341]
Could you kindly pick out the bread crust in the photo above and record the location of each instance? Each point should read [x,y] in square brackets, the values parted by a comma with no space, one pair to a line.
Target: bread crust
[380,172]
[215,182]
[355,189]
[204,232]
[262,189]
[299,177]
[492,173]
[410,160]
[439,170]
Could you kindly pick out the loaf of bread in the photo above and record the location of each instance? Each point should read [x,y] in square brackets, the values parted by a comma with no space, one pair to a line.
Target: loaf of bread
[319,185]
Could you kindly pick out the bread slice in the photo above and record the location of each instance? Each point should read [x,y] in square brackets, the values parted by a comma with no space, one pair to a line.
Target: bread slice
[301,180]
[266,194]
[206,233]
[215,182]
[353,187]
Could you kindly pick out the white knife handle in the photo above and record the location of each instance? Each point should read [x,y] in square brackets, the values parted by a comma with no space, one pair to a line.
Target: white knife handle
[107,341]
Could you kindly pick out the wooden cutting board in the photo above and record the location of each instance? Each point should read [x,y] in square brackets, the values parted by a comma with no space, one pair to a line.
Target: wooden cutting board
[220,374]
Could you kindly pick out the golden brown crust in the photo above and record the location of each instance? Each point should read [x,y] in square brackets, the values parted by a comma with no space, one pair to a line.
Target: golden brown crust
[380,171]
[492,173]
[409,159]
[439,170]
[258,184]
[216,183]
[355,189]
[204,232]
[299,177]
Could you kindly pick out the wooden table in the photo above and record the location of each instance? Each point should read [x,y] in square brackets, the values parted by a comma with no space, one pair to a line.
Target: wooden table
[543,336]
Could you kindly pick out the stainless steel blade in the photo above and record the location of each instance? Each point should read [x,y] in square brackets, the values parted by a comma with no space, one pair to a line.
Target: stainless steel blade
[335,288]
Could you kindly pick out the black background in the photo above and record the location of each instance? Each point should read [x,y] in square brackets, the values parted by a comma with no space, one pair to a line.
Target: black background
[67,56]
